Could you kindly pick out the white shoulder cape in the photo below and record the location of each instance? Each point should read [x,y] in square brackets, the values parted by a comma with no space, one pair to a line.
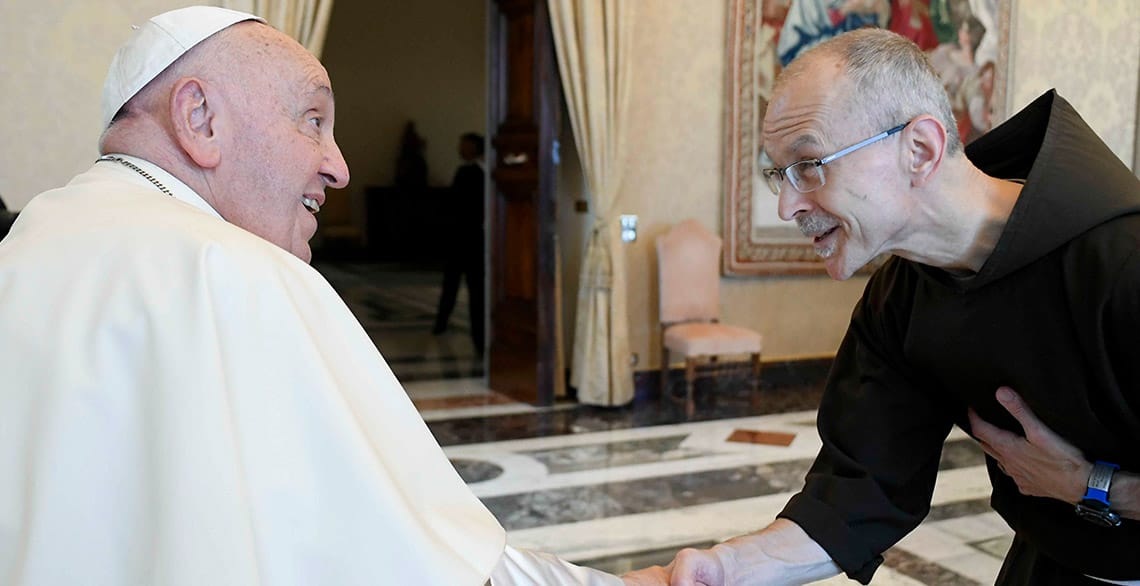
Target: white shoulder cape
[183,403]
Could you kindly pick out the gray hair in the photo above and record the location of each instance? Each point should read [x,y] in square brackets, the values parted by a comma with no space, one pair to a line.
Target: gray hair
[893,80]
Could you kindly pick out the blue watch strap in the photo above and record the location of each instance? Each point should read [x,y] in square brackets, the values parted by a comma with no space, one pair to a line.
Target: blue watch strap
[1099,481]
[1098,495]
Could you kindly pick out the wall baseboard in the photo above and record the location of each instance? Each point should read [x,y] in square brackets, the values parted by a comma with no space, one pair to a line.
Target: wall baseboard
[787,372]
[778,373]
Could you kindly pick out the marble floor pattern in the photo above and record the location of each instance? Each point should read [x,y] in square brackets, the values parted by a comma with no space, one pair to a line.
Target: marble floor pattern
[623,488]
[629,496]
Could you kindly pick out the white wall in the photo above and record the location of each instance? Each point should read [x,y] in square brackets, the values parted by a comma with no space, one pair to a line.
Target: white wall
[53,57]
[1090,52]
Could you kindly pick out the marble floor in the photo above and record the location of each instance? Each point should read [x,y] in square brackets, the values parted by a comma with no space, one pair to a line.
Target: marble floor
[397,306]
[618,489]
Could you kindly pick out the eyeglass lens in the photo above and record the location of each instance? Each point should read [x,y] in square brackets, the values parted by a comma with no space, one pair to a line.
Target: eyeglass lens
[805,176]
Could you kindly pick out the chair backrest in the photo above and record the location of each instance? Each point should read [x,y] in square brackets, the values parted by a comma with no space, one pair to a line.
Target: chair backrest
[688,273]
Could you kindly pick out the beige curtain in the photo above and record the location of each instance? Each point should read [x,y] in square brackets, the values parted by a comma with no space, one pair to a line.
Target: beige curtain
[593,41]
[304,20]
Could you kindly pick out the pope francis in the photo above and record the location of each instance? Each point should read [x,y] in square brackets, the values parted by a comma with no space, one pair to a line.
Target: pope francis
[183,400]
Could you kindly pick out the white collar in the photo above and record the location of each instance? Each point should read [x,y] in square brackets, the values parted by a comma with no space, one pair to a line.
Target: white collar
[177,188]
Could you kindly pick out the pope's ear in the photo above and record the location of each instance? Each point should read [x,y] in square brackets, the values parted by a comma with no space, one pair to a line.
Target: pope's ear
[193,116]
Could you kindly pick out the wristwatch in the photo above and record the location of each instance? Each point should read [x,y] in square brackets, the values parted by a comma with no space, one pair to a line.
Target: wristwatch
[1094,507]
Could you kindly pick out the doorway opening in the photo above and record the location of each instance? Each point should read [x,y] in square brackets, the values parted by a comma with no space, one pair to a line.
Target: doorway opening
[410,78]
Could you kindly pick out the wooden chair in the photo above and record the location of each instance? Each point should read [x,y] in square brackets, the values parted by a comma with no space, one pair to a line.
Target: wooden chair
[688,277]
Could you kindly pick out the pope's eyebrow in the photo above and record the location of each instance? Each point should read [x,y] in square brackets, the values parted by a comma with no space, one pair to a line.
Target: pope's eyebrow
[321,89]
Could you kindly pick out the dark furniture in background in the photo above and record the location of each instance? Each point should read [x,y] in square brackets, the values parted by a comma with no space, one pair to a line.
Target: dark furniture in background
[408,228]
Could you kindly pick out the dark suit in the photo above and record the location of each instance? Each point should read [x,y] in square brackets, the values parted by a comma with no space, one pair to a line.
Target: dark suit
[464,256]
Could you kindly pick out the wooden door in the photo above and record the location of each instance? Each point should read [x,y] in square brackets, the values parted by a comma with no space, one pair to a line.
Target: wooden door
[524,102]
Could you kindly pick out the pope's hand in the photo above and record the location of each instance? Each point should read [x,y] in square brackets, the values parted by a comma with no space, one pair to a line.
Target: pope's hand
[697,567]
[651,576]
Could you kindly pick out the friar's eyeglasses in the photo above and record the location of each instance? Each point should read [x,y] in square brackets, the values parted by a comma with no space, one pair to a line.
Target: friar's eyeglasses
[807,175]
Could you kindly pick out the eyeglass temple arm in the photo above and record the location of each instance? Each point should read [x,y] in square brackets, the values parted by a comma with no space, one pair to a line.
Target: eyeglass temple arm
[864,143]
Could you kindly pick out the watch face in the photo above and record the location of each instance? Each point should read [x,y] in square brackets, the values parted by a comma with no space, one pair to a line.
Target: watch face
[1098,513]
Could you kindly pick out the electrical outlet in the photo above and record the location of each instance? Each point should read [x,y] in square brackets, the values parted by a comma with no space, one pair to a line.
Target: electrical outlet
[628,227]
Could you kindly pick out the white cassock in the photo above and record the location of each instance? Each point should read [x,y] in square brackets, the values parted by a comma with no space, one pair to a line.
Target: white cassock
[184,403]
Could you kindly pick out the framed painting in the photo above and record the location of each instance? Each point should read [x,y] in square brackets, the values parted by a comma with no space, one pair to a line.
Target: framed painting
[967,41]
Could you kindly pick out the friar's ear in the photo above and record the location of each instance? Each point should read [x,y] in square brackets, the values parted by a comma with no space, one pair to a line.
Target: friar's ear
[924,141]
[193,115]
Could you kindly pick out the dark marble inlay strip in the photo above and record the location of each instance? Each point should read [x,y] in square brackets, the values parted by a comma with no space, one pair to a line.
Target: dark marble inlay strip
[961,453]
[643,495]
[587,418]
[473,471]
[406,377]
[615,499]
[614,454]
[415,326]
[924,571]
[370,308]
[953,510]
[462,401]
[998,546]
[465,357]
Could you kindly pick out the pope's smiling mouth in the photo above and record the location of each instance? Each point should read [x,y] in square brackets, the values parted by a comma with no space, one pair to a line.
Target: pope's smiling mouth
[311,204]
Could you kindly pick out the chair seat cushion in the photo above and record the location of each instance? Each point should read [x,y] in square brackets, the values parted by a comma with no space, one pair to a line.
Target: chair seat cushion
[708,339]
